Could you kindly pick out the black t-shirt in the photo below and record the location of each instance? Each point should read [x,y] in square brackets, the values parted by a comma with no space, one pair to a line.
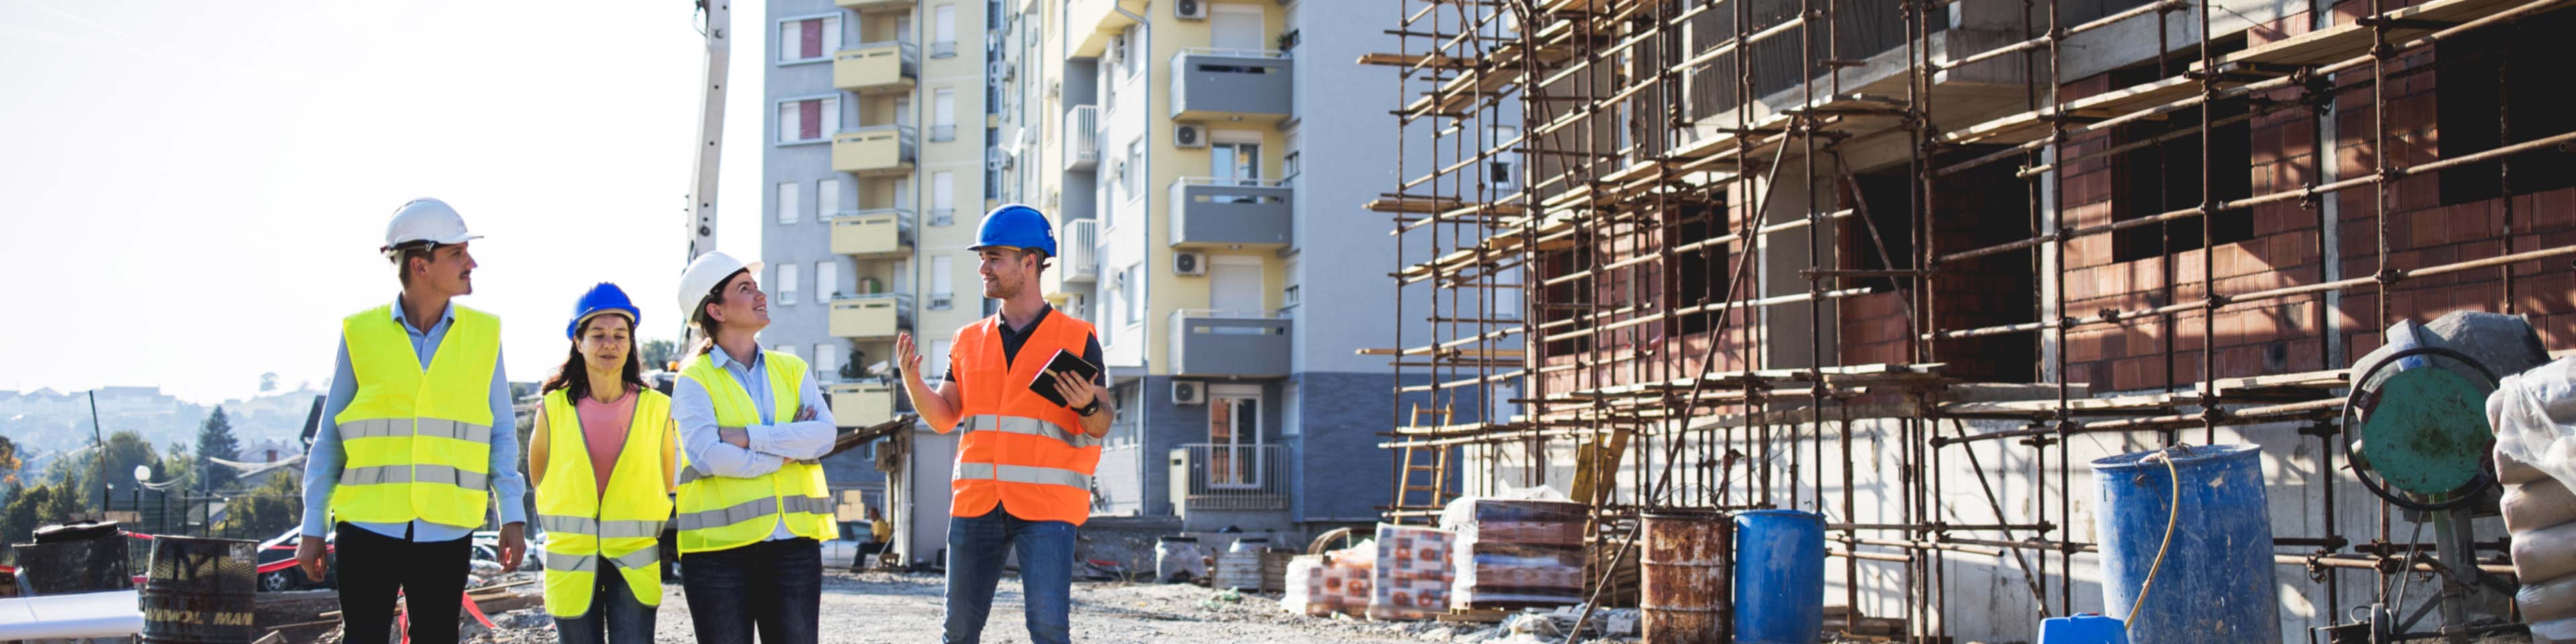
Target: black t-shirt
[1013,338]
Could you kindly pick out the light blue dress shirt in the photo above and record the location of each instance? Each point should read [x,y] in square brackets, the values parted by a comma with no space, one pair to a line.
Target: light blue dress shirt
[772,442]
[322,465]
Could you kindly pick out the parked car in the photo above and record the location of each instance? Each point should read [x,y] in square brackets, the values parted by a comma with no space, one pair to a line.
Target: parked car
[282,548]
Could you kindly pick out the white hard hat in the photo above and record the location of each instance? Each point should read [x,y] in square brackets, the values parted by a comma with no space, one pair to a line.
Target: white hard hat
[704,275]
[428,220]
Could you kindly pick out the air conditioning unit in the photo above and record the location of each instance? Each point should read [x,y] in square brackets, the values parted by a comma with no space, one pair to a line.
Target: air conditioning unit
[998,160]
[1190,9]
[1187,135]
[1003,70]
[1116,52]
[1189,263]
[1185,392]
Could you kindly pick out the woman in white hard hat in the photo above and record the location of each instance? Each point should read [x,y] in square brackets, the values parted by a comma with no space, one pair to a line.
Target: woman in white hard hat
[604,494]
[753,506]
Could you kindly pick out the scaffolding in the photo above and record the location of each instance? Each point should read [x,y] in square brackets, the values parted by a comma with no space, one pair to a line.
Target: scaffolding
[1631,237]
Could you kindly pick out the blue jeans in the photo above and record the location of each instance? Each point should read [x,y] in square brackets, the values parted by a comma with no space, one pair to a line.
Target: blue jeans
[976,548]
[774,588]
[615,615]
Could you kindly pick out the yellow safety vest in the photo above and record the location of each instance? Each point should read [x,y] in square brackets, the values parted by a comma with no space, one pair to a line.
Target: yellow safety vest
[723,512]
[419,441]
[621,524]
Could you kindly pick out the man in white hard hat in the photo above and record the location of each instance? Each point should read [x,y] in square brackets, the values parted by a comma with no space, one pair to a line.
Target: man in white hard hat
[416,442]
[753,508]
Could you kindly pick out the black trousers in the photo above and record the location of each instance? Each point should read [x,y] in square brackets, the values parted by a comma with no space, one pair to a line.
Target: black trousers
[429,575]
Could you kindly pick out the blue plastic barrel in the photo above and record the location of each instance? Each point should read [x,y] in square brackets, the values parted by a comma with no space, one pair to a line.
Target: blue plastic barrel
[1779,577]
[2216,586]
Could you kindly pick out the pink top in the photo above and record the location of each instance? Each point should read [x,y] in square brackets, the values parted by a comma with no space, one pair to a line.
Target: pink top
[603,429]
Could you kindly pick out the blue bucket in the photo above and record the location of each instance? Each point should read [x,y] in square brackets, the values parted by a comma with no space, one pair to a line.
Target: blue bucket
[1779,577]
[2216,586]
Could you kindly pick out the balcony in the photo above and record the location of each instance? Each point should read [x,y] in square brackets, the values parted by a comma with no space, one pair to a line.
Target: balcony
[1229,344]
[877,68]
[943,132]
[862,404]
[875,151]
[1209,212]
[1210,84]
[872,233]
[1081,248]
[1082,137]
[1090,24]
[871,317]
[1229,477]
[874,6]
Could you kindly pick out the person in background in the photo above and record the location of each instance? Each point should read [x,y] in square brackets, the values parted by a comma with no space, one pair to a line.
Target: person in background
[406,461]
[602,456]
[753,506]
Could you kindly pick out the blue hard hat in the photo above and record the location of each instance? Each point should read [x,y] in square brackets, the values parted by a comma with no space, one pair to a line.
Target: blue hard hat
[604,298]
[1016,226]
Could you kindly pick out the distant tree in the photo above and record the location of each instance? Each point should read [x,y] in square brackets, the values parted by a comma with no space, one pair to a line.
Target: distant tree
[177,465]
[9,462]
[856,366]
[26,506]
[657,353]
[125,449]
[277,505]
[268,382]
[215,440]
[59,508]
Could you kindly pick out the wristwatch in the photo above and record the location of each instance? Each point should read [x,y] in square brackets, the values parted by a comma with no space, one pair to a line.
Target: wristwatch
[1088,409]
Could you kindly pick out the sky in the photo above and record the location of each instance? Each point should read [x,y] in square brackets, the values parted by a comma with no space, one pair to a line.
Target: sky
[192,193]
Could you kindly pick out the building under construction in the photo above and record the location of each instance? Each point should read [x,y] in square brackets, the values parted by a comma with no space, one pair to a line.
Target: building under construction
[1913,264]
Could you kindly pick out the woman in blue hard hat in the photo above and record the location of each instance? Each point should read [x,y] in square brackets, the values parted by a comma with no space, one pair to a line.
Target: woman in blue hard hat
[602,455]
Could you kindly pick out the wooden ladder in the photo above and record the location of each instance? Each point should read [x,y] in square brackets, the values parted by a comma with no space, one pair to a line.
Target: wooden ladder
[1410,461]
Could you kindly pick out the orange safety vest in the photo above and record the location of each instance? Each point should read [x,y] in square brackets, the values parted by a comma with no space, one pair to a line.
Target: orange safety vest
[1021,451]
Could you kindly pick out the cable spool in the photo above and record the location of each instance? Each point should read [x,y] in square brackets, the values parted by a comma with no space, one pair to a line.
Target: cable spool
[2418,437]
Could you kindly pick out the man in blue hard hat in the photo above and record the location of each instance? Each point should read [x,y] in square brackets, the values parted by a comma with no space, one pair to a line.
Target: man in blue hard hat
[1021,483]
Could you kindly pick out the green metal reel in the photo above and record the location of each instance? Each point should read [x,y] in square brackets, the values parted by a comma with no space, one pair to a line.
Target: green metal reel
[2427,433]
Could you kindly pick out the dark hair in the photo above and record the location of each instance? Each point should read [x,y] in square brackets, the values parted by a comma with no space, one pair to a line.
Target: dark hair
[402,256]
[575,372]
[707,323]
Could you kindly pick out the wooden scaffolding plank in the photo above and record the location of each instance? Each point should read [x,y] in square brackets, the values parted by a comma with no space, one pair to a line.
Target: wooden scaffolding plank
[2032,126]
[2352,39]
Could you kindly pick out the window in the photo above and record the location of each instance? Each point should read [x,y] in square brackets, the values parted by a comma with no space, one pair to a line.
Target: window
[1135,305]
[1702,272]
[826,363]
[785,291]
[2165,177]
[1505,165]
[1288,169]
[943,31]
[787,203]
[903,27]
[827,199]
[827,281]
[903,194]
[1127,56]
[2466,103]
[808,119]
[808,39]
[1132,179]
[943,114]
[992,182]
[943,197]
[942,284]
[903,110]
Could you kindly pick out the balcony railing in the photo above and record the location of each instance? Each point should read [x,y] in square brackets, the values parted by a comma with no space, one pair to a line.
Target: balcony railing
[1209,476]
[940,133]
[943,48]
[1230,82]
[1081,250]
[872,233]
[875,150]
[872,316]
[874,6]
[1210,211]
[868,68]
[863,404]
[1247,344]
[1082,137]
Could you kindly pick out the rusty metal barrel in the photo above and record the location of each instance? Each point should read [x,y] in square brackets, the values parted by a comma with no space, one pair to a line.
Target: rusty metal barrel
[1685,566]
[199,591]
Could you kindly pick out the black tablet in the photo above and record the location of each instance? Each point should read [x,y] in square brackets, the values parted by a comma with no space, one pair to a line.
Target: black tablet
[1064,361]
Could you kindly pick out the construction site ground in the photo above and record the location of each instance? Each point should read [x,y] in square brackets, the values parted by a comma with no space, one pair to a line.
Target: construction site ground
[898,607]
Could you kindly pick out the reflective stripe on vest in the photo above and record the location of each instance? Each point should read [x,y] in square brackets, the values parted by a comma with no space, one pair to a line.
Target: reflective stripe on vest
[439,474]
[431,427]
[561,562]
[1030,426]
[753,510]
[1022,474]
[598,528]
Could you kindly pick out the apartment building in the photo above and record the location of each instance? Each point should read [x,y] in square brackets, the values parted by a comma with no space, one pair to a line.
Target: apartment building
[874,169]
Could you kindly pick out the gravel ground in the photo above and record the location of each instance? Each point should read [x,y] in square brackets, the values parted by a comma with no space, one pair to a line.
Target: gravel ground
[888,607]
